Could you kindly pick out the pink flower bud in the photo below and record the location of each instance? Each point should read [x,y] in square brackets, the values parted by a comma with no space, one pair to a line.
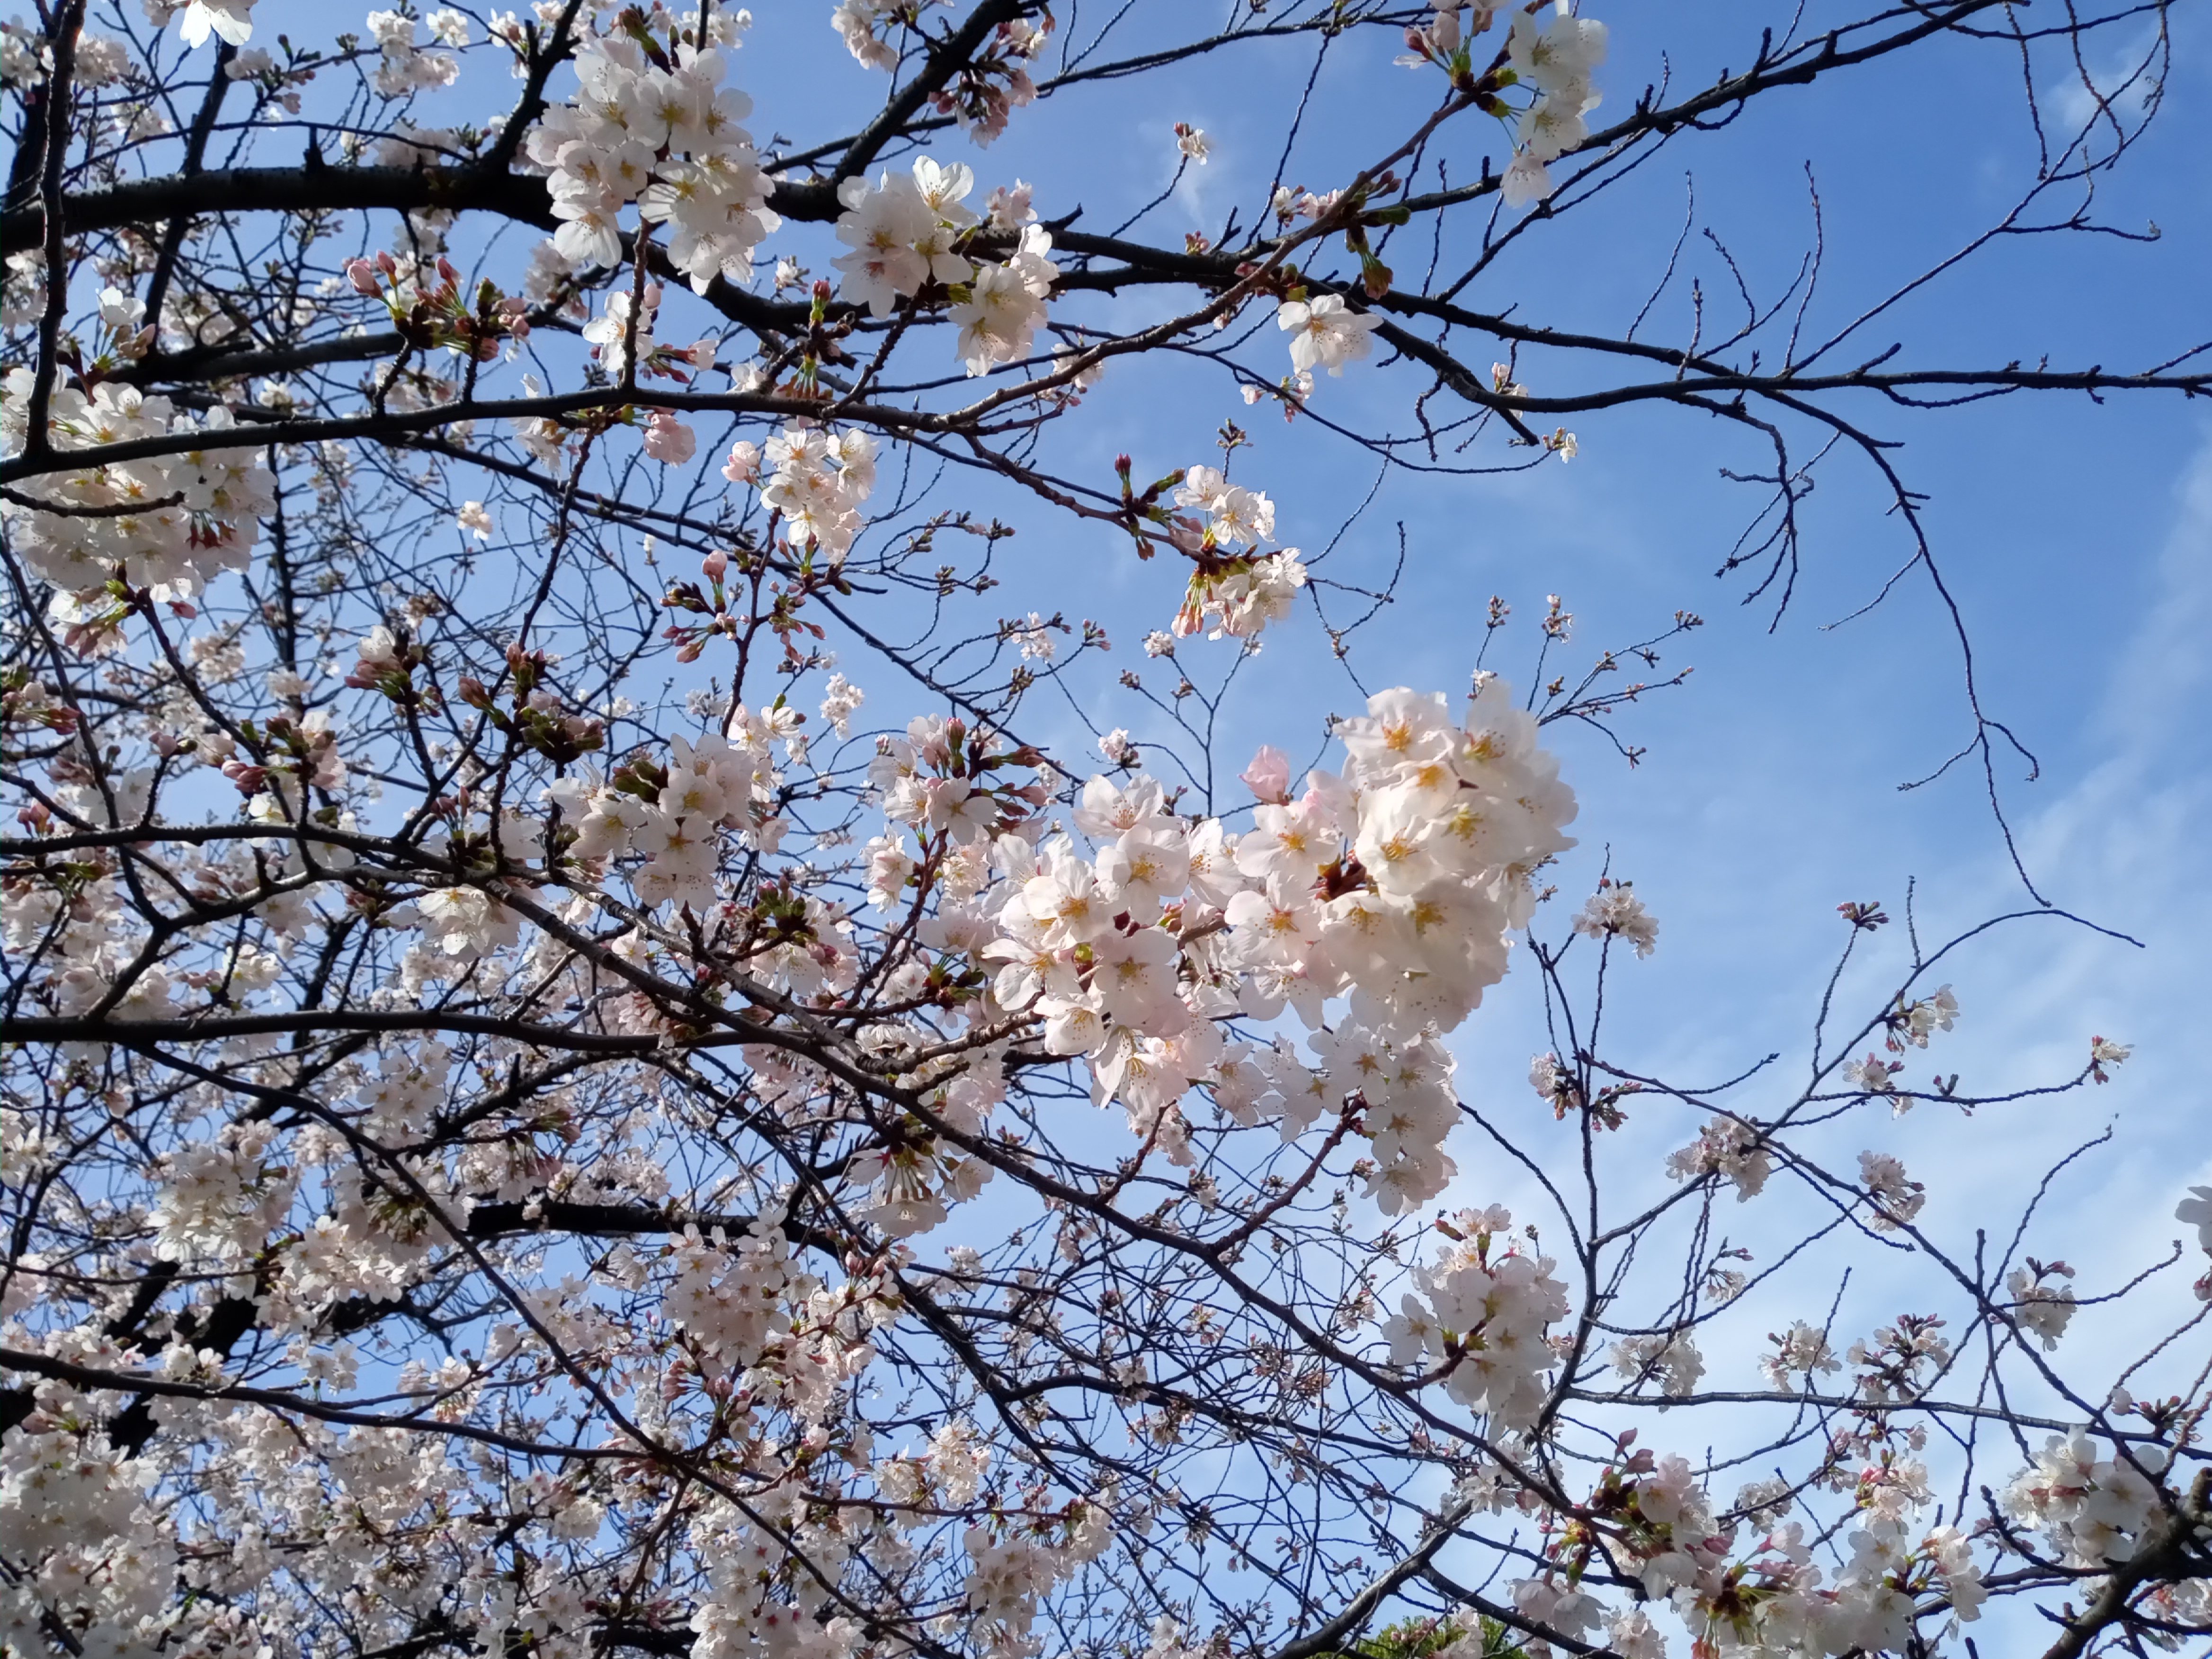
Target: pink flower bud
[388,264]
[713,565]
[667,439]
[1268,776]
[362,274]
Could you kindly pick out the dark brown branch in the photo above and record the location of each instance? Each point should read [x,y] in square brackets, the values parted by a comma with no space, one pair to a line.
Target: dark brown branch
[946,59]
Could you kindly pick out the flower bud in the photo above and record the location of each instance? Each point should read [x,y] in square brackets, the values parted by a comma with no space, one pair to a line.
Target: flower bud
[744,465]
[1268,776]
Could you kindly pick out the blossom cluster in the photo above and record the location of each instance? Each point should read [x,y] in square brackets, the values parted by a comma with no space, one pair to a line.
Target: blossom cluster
[406,66]
[858,23]
[2092,1509]
[818,480]
[1553,57]
[674,814]
[25,57]
[660,130]
[1556,58]
[1391,885]
[168,524]
[76,1512]
[1479,1320]
[1235,588]
[1764,1596]
[906,231]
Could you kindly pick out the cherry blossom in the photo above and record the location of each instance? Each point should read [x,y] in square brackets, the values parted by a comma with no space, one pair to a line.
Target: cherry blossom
[229,20]
[1003,305]
[1325,333]
[2195,1211]
[1615,912]
[1897,1198]
[2043,1306]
